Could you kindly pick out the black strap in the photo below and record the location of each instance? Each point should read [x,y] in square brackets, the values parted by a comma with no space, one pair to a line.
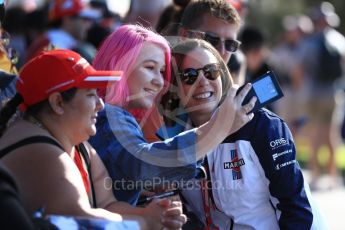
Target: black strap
[44,139]
[232,224]
[27,141]
[84,153]
[208,177]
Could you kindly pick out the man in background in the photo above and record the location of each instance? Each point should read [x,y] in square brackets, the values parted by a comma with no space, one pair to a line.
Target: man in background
[217,22]
[69,21]
[322,61]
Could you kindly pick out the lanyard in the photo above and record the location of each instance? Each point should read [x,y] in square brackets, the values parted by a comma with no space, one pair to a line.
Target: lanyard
[207,202]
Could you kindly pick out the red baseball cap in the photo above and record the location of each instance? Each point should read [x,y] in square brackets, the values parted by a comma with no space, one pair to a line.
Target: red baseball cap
[61,8]
[57,71]
[239,5]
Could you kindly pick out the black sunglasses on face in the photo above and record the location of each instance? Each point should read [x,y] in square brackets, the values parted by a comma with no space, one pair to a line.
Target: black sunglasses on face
[210,71]
[230,45]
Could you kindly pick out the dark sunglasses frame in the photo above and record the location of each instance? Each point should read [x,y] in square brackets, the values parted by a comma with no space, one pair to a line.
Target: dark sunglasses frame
[231,45]
[190,75]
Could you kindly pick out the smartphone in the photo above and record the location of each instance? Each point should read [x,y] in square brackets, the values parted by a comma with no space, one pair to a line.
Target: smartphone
[266,88]
[144,200]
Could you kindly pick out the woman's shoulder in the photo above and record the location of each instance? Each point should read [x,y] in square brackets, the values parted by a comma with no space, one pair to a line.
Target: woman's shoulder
[267,122]
[111,112]
[117,117]
[265,116]
[20,130]
[114,108]
[263,121]
[24,139]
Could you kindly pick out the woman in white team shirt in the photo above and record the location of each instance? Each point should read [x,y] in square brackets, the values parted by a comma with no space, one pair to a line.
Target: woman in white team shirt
[256,182]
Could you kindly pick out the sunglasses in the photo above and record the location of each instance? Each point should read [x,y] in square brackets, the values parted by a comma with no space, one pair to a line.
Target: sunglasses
[210,71]
[230,45]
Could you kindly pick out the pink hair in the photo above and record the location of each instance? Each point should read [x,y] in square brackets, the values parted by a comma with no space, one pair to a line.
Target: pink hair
[120,51]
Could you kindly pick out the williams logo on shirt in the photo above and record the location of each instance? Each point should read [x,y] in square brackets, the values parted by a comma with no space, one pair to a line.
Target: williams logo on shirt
[235,165]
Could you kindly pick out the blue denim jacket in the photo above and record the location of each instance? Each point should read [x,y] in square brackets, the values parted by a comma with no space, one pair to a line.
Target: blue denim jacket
[134,164]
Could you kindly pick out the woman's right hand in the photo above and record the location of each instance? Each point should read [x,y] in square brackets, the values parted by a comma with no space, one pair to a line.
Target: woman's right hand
[242,116]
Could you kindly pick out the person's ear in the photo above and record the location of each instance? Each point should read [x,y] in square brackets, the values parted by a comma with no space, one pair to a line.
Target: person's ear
[56,103]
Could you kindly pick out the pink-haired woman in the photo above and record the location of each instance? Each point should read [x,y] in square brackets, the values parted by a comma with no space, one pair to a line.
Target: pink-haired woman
[133,163]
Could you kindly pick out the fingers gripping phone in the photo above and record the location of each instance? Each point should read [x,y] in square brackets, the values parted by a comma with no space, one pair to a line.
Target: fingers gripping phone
[266,88]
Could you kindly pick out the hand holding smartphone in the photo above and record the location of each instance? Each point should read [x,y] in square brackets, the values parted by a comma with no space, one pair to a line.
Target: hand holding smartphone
[266,88]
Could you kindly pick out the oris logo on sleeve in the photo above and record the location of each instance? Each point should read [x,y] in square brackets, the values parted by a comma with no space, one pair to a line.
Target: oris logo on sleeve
[278,142]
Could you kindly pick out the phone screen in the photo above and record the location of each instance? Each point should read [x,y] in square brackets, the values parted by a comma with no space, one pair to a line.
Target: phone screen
[266,88]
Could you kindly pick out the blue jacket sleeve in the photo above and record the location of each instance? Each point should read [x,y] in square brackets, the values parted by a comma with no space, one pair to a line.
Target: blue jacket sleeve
[273,142]
[122,147]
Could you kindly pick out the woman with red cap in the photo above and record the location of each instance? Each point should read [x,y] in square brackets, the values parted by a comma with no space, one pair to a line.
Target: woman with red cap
[57,92]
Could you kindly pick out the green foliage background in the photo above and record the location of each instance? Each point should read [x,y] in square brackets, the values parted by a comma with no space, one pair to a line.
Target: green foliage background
[268,14]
